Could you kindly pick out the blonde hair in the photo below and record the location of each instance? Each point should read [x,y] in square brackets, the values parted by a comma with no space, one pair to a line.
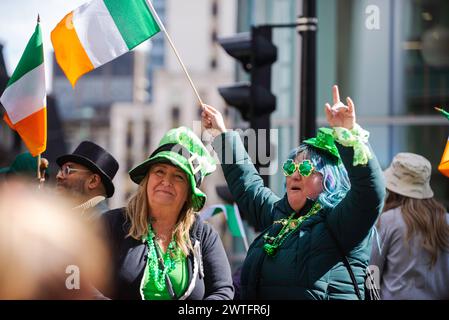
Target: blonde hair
[138,213]
[422,216]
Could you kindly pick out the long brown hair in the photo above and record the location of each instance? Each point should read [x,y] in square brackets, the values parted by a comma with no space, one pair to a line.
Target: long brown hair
[138,213]
[422,216]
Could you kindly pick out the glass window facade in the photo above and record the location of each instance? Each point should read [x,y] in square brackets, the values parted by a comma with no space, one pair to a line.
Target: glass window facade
[396,70]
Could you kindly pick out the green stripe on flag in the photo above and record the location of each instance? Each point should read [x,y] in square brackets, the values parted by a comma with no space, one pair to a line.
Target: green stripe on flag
[233,224]
[32,57]
[133,19]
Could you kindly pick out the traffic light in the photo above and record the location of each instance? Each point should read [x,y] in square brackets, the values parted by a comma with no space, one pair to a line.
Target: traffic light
[256,52]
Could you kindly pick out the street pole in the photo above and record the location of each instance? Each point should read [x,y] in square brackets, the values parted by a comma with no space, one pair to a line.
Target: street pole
[261,121]
[307,28]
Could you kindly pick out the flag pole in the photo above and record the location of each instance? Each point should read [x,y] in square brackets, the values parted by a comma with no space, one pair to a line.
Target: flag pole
[39,155]
[161,25]
[38,166]
[442,111]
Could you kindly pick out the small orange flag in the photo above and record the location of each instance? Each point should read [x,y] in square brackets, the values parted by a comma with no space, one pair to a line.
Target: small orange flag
[444,163]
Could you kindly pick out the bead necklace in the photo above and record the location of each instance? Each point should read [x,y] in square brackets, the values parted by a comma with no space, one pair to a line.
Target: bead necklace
[289,225]
[169,259]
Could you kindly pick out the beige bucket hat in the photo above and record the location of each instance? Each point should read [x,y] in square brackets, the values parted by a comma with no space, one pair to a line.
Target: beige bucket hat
[409,175]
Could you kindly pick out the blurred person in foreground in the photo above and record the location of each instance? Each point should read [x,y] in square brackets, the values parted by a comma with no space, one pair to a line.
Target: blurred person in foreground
[412,249]
[85,176]
[334,193]
[162,250]
[46,251]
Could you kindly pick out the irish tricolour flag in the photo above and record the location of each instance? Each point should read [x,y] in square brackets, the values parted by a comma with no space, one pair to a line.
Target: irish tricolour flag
[24,98]
[233,219]
[100,31]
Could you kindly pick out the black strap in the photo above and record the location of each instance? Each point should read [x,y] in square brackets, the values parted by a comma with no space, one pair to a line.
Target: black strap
[183,151]
[168,283]
[345,260]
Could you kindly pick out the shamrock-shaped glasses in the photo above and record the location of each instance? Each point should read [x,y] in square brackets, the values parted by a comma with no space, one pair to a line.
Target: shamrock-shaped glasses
[305,168]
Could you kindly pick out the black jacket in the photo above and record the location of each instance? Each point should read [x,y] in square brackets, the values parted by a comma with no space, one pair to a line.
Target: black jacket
[209,269]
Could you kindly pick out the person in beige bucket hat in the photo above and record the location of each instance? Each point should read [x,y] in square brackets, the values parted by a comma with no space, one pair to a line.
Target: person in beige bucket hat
[411,251]
[409,175]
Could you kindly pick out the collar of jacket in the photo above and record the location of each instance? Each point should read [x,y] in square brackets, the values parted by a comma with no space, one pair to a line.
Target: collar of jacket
[197,268]
[285,206]
[89,204]
[287,210]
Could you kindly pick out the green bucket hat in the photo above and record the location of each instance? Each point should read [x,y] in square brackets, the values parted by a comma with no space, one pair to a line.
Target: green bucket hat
[23,164]
[182,148]
[324,141]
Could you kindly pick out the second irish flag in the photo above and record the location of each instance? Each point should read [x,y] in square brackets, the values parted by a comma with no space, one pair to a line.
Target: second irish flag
[100,31]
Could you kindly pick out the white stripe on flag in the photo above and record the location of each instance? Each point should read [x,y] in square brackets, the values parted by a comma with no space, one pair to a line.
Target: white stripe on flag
[97,32]
[25,96]
[209,211]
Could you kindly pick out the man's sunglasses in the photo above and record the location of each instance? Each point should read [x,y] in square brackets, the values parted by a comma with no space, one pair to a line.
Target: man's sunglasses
[67,170]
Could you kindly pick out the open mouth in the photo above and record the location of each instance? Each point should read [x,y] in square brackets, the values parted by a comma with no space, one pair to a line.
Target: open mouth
[295,188]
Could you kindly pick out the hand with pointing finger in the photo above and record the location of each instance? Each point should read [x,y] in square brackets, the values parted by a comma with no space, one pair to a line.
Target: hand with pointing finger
[340,115]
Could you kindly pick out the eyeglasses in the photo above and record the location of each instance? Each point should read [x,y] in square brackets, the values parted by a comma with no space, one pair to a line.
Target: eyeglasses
[305,168]
[67,170]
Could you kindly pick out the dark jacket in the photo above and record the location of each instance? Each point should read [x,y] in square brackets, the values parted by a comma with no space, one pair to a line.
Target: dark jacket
[308,264]
[209,269]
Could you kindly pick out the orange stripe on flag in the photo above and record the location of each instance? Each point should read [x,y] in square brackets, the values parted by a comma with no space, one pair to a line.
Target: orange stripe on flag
[71,56]
[444,163]
[32,130]
[8,121]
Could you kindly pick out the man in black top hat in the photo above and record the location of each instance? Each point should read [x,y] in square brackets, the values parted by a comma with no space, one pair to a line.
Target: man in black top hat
[86,176]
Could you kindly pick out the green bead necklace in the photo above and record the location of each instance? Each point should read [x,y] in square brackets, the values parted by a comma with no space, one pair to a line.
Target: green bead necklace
[289,226]
[169,258]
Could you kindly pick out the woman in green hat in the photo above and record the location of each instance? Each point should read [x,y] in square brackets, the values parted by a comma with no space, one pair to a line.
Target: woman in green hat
[334,193]
[161,250]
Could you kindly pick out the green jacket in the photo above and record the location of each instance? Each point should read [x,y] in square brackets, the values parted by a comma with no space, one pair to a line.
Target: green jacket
[308,264]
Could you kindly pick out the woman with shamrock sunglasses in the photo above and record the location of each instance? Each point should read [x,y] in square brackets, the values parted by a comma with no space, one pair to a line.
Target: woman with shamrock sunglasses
[334,192]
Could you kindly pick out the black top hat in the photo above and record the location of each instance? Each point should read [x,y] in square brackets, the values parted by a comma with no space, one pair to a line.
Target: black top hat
[97,160]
